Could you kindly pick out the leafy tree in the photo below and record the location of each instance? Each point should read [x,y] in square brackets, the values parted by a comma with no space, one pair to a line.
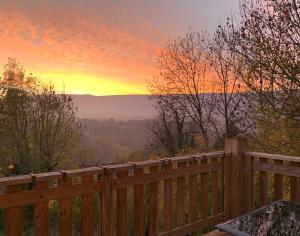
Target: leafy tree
[266,43]
[38,128]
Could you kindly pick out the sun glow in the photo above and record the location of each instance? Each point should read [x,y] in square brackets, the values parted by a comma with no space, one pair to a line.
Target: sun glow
[80,83]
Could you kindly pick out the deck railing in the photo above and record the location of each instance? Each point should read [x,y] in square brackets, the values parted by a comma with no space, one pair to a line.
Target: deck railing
[174,196]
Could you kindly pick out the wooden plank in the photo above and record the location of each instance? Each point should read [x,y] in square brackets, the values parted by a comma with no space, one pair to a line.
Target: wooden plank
[65,211]
[263,184]
[122,207]
[278,183]
[139,205]
[248,185]
[214,190]
[192,194]
[153,205]
[106,206]
[226,188]
[272,156]
[204,194]
[41,195]
[13,216]
[286,170]
[168,199]
[87,208]
[195,226]
[236,145]
[168,174]
[94,170]
[180,196]
[15,180]
[41,212]
[295,186]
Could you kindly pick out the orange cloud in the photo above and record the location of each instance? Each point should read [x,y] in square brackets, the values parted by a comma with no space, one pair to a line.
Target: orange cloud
[71,46]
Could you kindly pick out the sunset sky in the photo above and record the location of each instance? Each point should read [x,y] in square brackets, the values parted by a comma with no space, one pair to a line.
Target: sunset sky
[99,47]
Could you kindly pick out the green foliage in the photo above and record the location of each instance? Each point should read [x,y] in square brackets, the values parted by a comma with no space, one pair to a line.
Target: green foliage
[38,128]
[275,133]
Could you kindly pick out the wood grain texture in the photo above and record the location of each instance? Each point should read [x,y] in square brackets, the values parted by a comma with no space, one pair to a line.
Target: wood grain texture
[41,212]
[122,207]
[247,184]
[139,205]
[13,216]
[278,182]
[87,208]
[168,199]
[295,185]
[180,196]
[65,211]
[226,188]
[153,205]
[214,190]
[106,206]
[192,194]
[263,185]
[167,174]
[204,194]
[286,170]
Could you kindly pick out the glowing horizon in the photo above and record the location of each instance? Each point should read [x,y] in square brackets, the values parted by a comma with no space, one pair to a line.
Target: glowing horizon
[98,47]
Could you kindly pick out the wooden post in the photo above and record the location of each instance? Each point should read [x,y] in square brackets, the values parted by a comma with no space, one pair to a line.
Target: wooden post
[237,180]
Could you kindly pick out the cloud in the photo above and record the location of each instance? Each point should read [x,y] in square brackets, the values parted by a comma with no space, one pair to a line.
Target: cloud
[116,40]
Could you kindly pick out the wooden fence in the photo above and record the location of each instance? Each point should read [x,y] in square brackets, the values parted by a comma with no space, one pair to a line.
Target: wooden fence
[174,196]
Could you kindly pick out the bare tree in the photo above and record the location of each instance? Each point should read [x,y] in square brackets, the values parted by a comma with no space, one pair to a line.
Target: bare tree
[230,106]
[170,132]
[184,79]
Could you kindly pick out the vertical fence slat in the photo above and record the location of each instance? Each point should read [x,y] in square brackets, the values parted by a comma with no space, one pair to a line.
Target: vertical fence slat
[13,216]
[122,207]
[168,198]
[214,190]
[65,211]
[41,212]
[153,205]
[295,185]
[180,196]
[87,209]
[278,183]
[204,193]
[226,187]
[248,184]
[138,205]
[192,194]
[106,206]
[263,184]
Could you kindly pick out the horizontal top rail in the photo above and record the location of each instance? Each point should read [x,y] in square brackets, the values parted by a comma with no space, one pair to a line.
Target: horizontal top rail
[103,169]
[272,156]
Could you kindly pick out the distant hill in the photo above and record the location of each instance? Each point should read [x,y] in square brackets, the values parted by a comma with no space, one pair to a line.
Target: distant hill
[105,141]
[123,107]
